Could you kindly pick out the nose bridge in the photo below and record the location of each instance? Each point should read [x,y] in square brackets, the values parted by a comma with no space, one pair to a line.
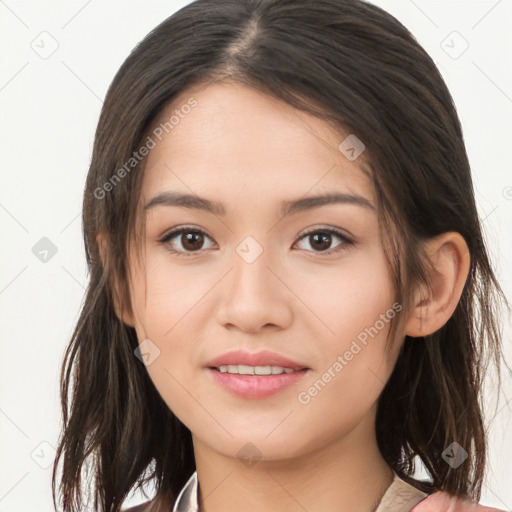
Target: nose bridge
[253,296]
[251,273]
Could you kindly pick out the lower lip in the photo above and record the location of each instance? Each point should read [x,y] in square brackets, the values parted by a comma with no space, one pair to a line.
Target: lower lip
[256,386]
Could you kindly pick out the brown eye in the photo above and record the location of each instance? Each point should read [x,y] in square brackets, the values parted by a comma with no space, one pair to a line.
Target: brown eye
[320,240]
[192,241]
[185,240]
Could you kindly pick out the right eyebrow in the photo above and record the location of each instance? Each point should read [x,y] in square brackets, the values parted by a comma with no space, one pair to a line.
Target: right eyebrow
[186,201]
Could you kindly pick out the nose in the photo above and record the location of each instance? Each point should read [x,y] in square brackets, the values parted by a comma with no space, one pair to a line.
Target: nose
[254,296]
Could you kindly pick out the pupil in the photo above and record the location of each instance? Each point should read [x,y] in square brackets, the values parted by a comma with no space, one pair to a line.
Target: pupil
[190,238]
[326,238]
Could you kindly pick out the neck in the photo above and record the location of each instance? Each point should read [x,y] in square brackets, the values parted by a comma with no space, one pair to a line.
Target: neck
[347,474]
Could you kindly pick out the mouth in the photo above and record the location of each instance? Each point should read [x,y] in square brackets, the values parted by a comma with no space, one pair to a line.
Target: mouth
[242,369]
[254,374]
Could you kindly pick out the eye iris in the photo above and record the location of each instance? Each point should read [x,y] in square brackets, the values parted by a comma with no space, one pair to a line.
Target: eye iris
[324,238]
[189,241]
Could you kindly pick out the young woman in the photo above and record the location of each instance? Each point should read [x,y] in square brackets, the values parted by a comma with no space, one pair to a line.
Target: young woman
[290,299]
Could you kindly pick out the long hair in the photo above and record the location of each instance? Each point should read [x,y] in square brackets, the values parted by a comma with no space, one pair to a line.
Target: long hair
[360,70]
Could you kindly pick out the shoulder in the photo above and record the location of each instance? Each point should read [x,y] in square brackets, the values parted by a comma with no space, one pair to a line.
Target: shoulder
[444,502]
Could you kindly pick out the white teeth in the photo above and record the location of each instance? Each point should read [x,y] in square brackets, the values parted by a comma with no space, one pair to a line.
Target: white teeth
[243,369]
[246,370]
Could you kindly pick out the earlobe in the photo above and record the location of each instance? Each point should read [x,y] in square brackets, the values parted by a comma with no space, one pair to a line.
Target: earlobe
[123,315]
[450,261]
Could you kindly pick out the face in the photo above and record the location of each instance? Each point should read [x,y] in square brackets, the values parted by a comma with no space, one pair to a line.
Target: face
[246,275]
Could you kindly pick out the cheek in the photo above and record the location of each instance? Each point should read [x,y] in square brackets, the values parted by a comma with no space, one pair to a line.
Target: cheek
[355,304]
[354,372]
[166,303]
[348,297]
[168,297]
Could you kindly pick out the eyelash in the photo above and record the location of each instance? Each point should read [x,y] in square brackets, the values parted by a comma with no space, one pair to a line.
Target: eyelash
[345,241]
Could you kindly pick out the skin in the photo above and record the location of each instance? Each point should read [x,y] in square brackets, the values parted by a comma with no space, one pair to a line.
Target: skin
[249,152]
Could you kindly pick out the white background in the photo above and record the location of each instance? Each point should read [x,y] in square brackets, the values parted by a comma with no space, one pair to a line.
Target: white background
[50,108]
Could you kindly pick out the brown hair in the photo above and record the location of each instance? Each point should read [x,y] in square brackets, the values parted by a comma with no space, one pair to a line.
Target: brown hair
[358,68]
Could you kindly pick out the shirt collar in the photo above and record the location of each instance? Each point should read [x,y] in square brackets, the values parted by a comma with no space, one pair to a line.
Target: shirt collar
[399,496]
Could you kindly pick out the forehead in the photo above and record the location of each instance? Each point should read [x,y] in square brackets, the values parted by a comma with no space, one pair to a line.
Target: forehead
[222,139]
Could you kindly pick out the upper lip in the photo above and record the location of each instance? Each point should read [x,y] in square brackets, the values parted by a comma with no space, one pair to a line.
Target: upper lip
[263,358]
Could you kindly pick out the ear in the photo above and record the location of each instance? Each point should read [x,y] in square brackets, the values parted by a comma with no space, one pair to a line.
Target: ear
[450,259]
[123,315]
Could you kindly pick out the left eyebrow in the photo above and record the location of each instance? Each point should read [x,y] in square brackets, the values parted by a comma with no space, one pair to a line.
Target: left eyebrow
[286,207]
[308,203]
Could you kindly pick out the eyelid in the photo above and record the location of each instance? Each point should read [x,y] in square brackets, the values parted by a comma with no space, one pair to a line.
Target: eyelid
[347,240]
[327,229]
[171,233]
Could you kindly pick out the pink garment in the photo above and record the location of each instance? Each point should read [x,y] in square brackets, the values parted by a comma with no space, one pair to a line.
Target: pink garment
[443,502]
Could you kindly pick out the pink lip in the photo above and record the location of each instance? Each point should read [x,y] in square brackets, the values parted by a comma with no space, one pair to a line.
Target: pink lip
[263,358]
[255,386]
